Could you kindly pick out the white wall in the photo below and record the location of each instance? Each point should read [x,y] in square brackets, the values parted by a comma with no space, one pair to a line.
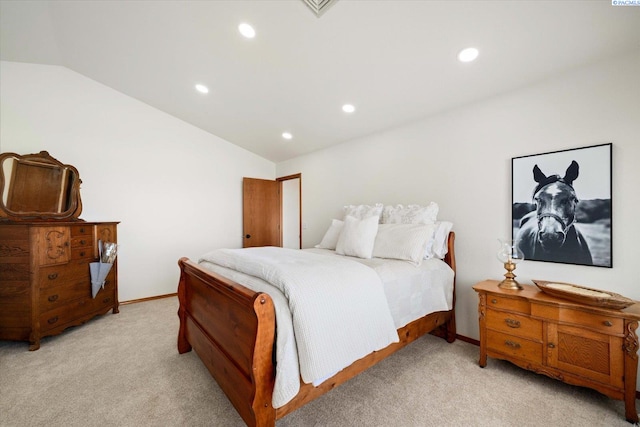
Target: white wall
[176,189]
[462,160]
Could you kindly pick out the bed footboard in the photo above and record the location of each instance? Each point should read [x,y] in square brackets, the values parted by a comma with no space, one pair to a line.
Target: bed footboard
[232,328]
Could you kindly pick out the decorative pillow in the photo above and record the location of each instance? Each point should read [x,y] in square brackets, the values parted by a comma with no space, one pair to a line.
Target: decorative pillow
[363,211]
[403,241]
[411,214]
[437,246]
[357,237]
[330,239]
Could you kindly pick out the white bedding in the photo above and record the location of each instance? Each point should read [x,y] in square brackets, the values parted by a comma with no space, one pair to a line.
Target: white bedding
[411,292]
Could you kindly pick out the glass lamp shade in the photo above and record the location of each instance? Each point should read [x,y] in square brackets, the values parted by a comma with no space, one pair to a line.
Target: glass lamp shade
[510,255]
[509,252]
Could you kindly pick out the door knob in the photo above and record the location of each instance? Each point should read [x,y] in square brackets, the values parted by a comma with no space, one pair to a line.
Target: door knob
[248,236]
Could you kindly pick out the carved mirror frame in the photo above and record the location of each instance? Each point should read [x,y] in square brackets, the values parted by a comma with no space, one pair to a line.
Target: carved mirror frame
[38,187]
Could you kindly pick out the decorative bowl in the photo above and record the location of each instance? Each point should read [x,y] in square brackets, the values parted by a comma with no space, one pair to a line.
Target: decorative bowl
[584,295]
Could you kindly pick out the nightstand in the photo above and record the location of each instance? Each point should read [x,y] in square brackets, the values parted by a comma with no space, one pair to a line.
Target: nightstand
[571,342]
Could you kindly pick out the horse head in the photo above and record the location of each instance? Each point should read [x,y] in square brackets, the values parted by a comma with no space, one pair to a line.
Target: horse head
[556,203]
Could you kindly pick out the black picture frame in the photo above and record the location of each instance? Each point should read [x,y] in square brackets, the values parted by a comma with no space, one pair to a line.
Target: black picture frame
[543,228]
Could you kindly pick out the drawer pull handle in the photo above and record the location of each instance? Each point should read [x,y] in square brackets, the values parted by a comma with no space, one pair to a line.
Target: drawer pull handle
[512,344]
[607,323]
[494,301]
[106,300]
[52,320]
[82,229]
[53,298]
[512,323]
[551,345]
[83,242]
[53,276]
[66,244]
[82,253]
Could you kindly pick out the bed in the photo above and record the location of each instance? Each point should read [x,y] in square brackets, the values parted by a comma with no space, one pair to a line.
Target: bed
[231,323]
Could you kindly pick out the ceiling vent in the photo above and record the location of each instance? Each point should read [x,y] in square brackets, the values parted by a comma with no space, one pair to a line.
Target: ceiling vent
[319,6]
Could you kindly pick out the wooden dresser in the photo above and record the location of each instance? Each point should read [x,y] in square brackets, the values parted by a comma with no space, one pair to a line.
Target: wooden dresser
[571,342]
[45,284]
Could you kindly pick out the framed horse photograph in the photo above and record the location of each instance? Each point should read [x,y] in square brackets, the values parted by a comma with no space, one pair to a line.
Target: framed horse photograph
[561,205]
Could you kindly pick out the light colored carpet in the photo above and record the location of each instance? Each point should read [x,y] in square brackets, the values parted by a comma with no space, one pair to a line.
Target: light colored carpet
[124,370]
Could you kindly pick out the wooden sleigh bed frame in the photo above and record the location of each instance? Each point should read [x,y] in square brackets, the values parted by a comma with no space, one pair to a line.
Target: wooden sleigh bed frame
[232,328]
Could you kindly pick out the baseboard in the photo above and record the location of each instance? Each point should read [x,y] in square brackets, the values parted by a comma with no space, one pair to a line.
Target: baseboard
[467,339]
[476,342]
[133,301]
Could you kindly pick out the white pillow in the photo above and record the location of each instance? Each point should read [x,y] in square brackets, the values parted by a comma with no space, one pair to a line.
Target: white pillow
[411,214]
[363,211]
[330,239]
[357,237]
[437,246]
[403,241]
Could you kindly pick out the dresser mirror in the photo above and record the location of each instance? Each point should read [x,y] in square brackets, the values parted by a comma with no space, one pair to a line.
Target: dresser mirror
[37,186]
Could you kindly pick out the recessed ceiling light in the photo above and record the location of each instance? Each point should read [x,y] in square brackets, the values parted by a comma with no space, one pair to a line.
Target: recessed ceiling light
[202,88]
[467,55]
[348,108]
[247,30]
[287,135]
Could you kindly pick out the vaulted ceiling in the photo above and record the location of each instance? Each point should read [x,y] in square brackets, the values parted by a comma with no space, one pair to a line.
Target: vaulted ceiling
[394,60]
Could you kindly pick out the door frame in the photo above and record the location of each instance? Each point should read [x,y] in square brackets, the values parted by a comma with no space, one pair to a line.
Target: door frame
[287,178]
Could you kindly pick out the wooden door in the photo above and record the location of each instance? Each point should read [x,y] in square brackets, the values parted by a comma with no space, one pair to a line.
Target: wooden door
[261,212]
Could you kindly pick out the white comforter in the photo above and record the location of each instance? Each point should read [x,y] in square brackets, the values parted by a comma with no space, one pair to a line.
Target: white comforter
[336,307]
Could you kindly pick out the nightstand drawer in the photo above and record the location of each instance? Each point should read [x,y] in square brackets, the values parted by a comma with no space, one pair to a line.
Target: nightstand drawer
[514,324]
[513,304]
[514,346]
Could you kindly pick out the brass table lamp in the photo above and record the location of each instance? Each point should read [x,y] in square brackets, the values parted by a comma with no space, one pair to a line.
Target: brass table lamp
[510,255]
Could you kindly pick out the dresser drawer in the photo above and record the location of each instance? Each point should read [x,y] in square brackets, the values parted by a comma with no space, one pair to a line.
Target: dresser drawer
[65,313]
[82,246]
[514,346]
[82,230]
[56,296]
[64,275]
[82,253]
[82,241]
[511,304]
[592,320]
[74,309]
[514,324]
[105,297]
